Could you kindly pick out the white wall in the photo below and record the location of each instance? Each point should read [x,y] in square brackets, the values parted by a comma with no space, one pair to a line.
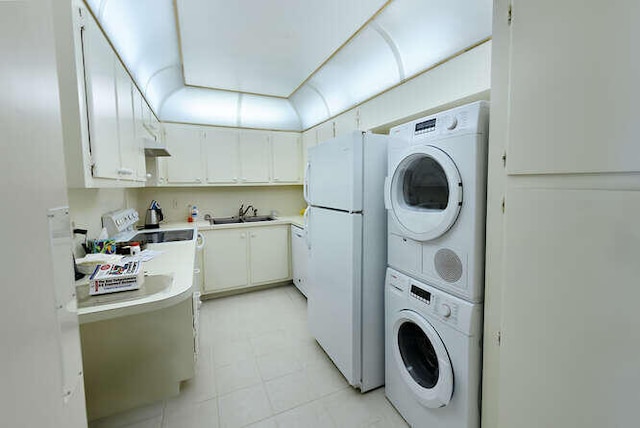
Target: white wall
[88,205]
[221,201]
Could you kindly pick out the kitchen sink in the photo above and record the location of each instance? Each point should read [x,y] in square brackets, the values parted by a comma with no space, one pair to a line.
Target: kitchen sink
[225,220]
[258,218]
[234,219]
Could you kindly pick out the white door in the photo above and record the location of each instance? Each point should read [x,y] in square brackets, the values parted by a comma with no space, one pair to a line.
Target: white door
[422,359]
[285,148]
[563,267]
[129,147]
[424,193]
[185,163]
[102,110]
[220,147]
[269,254]
[254,157]
[225,259]
[299,256]
[334,309]
[334,173]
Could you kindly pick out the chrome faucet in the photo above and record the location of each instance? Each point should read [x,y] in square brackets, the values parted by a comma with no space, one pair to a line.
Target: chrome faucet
[242,212]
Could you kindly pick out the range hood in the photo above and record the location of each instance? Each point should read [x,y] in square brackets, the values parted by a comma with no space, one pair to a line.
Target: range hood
[155,147]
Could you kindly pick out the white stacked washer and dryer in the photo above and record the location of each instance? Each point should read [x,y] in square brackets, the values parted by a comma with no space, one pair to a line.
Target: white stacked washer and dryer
[435,194]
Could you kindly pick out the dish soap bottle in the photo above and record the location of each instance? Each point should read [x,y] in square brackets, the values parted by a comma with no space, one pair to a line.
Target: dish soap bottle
[194,213]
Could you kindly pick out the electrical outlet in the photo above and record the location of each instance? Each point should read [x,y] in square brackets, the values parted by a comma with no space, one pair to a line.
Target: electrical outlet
[174,204]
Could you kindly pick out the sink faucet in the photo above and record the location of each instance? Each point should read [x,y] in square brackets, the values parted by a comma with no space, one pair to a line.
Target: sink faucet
[243,212]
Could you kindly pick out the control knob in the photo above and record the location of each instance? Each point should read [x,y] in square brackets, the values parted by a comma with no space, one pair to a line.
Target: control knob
[451,122]
[445,310]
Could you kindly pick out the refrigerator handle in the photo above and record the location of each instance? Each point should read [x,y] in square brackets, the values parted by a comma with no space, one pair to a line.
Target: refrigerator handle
[307,213]
[387,193]
[307,170]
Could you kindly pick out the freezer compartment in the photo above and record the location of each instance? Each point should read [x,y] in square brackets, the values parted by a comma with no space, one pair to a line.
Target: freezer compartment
[334,173]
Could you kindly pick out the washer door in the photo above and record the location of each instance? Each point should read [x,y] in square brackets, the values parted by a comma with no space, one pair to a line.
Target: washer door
[422,360]
[425,193]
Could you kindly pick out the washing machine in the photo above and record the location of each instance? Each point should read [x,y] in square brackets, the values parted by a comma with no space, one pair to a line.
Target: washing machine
[435,195]
[433,354]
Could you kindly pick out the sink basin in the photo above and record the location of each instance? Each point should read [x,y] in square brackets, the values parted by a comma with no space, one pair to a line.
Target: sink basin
[152,284]
[234,219]
[225,220]
[258,218]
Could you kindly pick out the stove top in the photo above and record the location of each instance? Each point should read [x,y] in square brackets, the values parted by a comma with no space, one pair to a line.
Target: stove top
[159,236]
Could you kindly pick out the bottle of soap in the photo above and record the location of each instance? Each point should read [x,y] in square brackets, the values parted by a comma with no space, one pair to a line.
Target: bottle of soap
[194,213]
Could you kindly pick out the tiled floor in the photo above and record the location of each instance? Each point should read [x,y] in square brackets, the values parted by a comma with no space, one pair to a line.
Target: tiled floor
[259,367]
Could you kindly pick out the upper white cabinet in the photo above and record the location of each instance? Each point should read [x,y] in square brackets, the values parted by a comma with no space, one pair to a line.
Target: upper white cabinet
[286,152]
[110,148]
[212,156]
[185,165]
[102,108]
[254,156]
[220,149]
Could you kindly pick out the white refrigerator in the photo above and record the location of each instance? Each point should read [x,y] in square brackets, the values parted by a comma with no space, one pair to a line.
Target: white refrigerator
[346,235]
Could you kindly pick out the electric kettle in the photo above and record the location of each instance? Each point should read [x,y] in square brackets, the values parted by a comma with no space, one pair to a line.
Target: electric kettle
[154,216]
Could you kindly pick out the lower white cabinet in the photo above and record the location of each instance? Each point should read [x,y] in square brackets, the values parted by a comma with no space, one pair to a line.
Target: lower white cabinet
[245,257]
[299,257]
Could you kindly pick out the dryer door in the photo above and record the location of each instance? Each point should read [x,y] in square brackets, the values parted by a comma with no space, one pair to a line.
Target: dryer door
[422,359]
[425,193]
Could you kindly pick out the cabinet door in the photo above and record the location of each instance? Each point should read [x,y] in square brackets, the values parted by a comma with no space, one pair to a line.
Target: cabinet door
[254,156]
[225,259]
[185,163]
[131,152]
[286,154]
[102,112]
[269,252]
[220,148]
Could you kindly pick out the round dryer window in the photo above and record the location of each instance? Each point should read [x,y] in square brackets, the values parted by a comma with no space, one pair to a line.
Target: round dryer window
[425,193]
[422,360]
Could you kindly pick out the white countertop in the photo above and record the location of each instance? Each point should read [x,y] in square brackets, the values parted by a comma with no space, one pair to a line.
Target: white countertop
[177,260]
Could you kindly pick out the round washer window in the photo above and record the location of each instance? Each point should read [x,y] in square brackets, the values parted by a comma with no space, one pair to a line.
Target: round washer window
[425,185]
[418,355]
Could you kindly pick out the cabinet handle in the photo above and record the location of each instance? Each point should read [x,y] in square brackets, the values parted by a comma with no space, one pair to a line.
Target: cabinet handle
[125,171]
[198,180]
[253,235]
[242,236]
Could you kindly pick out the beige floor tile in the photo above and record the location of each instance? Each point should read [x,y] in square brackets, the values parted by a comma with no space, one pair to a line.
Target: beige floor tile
[279,363]
[240,374]
[324,380]
[270,342]
[226,353]
[351,409]
[265,423]
[310,415]
[155,422]
[194,415]
[288,391]
[244,407]
[129,417]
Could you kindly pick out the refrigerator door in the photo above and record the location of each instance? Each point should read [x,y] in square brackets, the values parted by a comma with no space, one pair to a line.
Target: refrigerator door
[334,304]
[334,173]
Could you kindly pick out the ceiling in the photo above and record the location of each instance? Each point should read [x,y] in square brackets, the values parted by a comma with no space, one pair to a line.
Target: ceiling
[281,64]
[263,47]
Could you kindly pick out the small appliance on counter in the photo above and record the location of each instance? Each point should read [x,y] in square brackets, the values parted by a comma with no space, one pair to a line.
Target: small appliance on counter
[154,216]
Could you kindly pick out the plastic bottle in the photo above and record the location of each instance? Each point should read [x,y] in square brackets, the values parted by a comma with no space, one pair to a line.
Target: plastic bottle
[194,213]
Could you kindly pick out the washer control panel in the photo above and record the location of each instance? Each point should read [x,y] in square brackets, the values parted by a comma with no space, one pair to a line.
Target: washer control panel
[433,303]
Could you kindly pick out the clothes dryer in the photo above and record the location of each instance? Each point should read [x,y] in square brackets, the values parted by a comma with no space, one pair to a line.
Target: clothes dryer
[435,194]
[433,354]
